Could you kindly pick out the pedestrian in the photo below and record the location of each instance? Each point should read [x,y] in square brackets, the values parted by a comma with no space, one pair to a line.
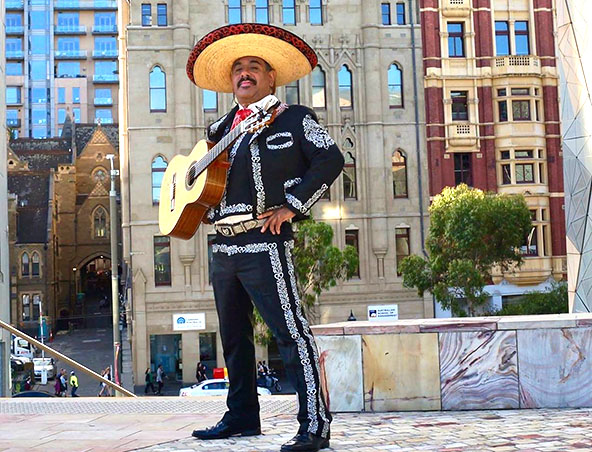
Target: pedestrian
[106,373]
[148,378]
[73,384]
[57,386]
[63,383]
[200,372]
[159,379]
[276,173]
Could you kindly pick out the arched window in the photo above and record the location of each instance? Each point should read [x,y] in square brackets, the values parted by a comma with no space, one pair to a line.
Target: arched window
[395,86]
[349,176]
[99,175]
[25,264]
[262,11]
[35,264]
[345,87]
[318,88]
[399,166]
[100,223]
[157,90]
[159,165]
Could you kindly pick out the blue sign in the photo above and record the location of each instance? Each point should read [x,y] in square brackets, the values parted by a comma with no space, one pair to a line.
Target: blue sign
[180,320]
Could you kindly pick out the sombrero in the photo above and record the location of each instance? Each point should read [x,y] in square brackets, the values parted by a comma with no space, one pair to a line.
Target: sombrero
[210,61]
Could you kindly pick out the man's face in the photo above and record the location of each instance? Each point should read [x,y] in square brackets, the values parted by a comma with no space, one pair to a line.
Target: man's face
[251,79]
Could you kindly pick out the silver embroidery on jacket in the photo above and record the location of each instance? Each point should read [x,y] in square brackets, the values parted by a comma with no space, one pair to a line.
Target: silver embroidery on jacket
[259,189]
[316,134]
[291,182]
[284,145]
[214,126]
[294,201]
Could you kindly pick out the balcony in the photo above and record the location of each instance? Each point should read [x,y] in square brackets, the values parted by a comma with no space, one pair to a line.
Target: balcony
[461,134]
[103,101]
[70,54]
[13,122]
[15,30]
[15,55]
[85,4]
[104,30]
[516,65]
[14,4]
[70,30]
[456,8]
[105,54]
[106,78]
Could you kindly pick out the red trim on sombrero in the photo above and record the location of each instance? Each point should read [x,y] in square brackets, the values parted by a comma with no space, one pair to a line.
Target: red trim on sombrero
[238,29]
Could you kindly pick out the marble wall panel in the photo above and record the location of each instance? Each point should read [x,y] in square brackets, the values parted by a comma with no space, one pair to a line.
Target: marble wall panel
[555,367]
[341,371]
[401,372]
[478,370]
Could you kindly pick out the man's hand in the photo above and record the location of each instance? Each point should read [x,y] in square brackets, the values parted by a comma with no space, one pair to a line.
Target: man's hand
[275,218]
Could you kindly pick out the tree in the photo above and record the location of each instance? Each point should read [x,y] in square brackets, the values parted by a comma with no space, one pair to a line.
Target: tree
[554,301]
[470,233]
[319,266]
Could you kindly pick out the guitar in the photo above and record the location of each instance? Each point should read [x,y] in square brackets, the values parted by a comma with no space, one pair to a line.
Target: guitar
[194,183]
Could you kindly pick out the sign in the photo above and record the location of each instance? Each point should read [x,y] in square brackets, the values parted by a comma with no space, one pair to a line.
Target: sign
[383,312]
[189,322]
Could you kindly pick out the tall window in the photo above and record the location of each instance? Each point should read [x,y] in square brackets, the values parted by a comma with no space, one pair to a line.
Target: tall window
[262,11]
[345,87]
[289,12]
[61,115]
[351,239]
[402,246]
[399,168]
[395,86]
[35,264]
[400,13]
[456,46]
[502,38]
[26,306]
[349,176]
[318,88]
[462,169]
[293,93]
[146,15]
[13,95]
[234,12]
[36,308]
[159,166]
[100,223]
[157,90]
[25,264]
[316,12]
[502,107]
[385,11]
[460,109]
[161,14]
[521,37]
[162,260]
[104,116]
[76,95]
[521,110]
[210,100]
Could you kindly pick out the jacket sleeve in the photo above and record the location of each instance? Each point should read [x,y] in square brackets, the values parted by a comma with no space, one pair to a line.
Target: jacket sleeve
[324,161]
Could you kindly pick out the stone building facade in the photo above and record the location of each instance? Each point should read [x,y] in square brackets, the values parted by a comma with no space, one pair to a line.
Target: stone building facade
[364,92]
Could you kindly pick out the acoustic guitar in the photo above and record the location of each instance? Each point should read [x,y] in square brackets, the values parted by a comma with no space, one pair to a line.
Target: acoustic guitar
[194,183]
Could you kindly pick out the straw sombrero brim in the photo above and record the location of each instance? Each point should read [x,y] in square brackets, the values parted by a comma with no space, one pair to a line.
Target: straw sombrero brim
[211,60]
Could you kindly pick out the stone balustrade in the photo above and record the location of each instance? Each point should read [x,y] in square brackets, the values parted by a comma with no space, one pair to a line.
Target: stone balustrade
[458,363]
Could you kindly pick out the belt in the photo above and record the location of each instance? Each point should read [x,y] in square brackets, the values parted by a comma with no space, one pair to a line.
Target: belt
[230,230]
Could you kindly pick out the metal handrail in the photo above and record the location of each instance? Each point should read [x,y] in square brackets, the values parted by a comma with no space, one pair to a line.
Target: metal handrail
[64,358]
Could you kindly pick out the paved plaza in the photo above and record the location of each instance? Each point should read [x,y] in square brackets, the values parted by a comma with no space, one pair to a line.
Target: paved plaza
[165,424]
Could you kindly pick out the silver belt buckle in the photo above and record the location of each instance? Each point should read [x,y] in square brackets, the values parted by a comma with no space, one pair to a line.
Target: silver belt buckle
[227,231]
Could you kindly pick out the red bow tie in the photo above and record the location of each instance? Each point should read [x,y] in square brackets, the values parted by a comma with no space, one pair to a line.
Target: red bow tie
[240,115]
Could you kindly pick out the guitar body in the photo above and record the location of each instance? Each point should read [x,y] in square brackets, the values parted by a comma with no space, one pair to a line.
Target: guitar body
[184,201]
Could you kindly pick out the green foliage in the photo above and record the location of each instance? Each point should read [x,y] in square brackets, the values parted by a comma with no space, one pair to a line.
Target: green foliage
[552,302]
[470,232]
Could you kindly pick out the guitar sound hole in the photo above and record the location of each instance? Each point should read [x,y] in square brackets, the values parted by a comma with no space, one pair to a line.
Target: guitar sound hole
[191,175]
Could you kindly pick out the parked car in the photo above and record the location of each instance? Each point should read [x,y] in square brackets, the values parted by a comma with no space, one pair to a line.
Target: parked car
[17,363]
[47,364]
[33,394]
[215,387]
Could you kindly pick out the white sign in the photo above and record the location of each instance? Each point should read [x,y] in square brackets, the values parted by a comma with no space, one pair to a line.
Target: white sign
[383,312]
[187,322]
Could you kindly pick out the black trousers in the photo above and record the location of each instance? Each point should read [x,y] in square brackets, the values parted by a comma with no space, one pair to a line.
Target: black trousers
[258,267]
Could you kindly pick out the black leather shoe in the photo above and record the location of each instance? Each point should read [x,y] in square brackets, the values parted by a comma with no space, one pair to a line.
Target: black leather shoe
[223,430]
[305,442]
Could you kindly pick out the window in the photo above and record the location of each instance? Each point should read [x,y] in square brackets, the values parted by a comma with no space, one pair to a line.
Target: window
[289,12]
[103,96]
[75,95]
[502,38]
[161,15]
[349,177]
[521,37]
[68,20]
[105,21]
[68,44]
[162,261]
[39,116]
[521,110]
[345,87]
[100,223]
[211,238]
[402,245]
[262,11]
[35,264]
[104,116]
[61,95]
[105,46]
[318,88]
[38,95]
[395,86]
[105,67]
[146,15]
[14,44]
[26,307]
[210,100]
[293,93]
[159,165]
[524,173]
[14,68]
[235,15]
[157,90]
[456,47]
[400,13]
[462,169]
[38,20]
[503,110]
[99,175]
[25,264]
[38,45]
[13,20]
[61,115]
[385,10]
[76,115]
[36,307]
[13,95]
[315,9]
[520,91]
[399,169]
[460,110]
[67,69]
[351,239]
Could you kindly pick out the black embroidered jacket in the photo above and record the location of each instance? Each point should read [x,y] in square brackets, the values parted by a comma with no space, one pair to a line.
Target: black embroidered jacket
[292,163]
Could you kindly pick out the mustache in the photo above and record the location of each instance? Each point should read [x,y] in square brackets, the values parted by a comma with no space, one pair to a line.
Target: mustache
[246,78]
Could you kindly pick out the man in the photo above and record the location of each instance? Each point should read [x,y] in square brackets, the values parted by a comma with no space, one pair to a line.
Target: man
[159,379]
[63,383]
[275,176]
[73,383]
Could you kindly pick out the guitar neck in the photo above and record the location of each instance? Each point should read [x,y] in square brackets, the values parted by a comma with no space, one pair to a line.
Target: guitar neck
[218,148]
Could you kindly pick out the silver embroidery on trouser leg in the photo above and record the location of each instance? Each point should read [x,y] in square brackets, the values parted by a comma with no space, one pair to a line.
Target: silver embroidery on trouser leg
[289,245]
[294,201]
